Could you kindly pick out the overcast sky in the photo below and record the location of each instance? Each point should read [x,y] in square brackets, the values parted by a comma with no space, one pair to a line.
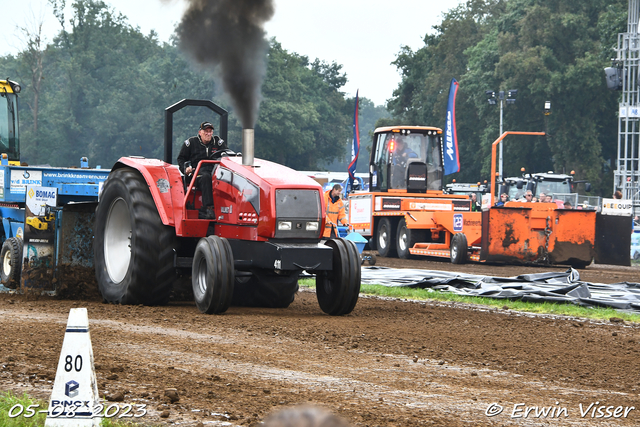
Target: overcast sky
[364,36]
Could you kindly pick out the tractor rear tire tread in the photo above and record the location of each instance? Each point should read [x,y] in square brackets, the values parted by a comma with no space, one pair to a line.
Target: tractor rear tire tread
[150,276]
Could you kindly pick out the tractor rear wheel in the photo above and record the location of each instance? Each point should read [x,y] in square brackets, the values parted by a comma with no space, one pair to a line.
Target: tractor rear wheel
[266,289]
[133,250]
[11,256]
[459,248]
[337,290]
[406,238]
[386,238]
[212,275]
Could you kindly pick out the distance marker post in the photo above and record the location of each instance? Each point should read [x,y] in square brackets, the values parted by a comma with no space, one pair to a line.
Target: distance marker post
[75,389]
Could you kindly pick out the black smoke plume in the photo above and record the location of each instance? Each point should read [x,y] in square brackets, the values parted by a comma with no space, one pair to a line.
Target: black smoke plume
[229,34]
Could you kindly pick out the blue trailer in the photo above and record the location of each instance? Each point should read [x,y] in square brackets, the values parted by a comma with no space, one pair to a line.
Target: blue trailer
[47,213]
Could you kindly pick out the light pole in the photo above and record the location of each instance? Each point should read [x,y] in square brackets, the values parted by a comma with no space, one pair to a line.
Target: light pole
[511,99]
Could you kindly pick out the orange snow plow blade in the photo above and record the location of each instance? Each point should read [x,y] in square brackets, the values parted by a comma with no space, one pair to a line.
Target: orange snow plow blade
[539,233]
[522,232]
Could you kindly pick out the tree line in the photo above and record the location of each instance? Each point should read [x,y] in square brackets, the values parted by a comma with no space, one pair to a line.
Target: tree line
[549,50]
[99,89]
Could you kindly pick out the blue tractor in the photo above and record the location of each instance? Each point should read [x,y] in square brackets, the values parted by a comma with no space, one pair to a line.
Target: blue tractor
[47,213]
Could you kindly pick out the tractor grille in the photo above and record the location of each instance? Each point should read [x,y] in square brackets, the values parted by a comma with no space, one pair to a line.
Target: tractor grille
[298,214]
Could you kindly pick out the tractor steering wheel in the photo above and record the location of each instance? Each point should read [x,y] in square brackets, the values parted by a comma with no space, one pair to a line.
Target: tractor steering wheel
[224,152]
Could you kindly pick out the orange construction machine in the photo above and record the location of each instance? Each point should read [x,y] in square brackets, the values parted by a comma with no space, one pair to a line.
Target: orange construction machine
[405,212]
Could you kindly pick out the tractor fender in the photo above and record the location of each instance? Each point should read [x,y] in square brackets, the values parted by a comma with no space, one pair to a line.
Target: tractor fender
[165,184]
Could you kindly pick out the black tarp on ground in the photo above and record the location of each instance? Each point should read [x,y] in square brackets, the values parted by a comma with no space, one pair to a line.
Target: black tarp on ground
[557,287]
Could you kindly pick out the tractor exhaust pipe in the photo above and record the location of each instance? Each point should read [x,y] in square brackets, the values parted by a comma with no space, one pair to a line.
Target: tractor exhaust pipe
[247,146]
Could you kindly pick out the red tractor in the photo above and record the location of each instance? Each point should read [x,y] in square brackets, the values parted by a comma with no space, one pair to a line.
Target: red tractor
[267,229]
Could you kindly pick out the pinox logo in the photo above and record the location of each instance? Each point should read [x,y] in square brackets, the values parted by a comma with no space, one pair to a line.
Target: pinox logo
[71,388]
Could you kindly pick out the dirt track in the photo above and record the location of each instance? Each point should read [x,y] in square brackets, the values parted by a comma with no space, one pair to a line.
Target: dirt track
[389,363]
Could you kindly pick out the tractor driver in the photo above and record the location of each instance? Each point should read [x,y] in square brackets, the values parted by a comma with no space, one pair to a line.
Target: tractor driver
[204,146]
[403,152]
[401,155]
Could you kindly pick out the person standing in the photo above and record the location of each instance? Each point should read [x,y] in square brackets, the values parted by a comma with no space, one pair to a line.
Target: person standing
[203,146]
[336,213]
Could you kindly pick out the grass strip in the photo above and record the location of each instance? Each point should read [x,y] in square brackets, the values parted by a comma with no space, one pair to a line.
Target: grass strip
[573,310]
[22,411]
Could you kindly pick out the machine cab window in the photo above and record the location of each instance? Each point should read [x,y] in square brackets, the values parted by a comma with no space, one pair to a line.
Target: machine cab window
[9,141]
[396,148]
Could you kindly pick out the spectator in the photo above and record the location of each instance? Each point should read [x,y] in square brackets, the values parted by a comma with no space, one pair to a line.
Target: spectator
[336,213]
[475,207]
[528,196]
[568,205]
[617,194]
[542,197]
[504,198]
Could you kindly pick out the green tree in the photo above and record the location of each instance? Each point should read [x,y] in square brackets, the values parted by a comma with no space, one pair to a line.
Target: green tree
[368,115]
[105,86]
[552,50]
[421,98]
[302,120]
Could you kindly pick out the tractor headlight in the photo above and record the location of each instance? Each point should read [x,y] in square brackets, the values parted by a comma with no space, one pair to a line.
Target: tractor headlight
[312,226]
[284,225]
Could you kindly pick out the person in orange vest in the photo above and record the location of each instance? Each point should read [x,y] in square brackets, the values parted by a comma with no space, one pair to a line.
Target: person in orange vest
[335,211]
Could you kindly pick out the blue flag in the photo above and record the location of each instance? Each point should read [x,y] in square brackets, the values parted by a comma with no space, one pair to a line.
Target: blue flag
[355,148]
[451,160]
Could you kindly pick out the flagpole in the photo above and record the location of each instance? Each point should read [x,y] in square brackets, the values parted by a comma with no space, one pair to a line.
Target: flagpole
[355,146]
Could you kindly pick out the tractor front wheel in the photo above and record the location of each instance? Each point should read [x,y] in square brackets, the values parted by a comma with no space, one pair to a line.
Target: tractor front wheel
[11,256]
[337,290]
[133,250]
[213,275]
